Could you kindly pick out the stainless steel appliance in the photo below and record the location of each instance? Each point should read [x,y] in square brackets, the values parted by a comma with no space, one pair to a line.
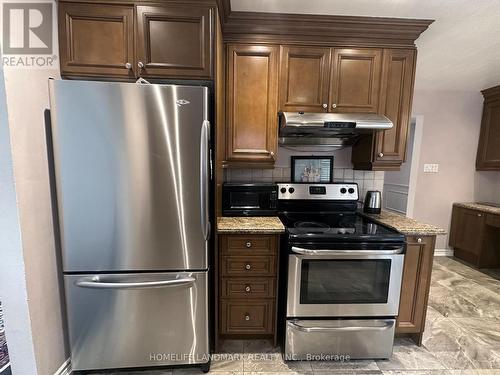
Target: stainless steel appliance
[335,130]
[132,175]
[255,199]
[344,274]
[373,202]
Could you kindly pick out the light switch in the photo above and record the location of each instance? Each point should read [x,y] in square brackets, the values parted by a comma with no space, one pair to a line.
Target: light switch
[431,168]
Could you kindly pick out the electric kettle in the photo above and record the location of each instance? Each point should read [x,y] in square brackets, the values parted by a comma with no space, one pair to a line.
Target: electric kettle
[373,202]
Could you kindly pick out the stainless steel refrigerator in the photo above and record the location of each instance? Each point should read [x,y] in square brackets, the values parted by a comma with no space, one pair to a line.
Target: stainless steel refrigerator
[132,173]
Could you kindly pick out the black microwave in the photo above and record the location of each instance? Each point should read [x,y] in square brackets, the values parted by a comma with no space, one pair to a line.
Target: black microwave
[256,199]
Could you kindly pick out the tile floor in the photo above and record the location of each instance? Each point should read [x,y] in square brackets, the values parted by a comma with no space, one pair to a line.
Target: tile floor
[462,336]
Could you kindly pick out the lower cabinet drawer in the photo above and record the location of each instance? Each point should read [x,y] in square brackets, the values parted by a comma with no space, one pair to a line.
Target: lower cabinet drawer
[239,287]
[246,317]
[248,266]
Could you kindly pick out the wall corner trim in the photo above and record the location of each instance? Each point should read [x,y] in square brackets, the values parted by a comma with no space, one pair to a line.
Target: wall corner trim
[443,252]
[65,368]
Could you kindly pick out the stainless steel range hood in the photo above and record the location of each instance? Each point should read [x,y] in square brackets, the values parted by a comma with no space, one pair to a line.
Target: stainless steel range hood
[335,130]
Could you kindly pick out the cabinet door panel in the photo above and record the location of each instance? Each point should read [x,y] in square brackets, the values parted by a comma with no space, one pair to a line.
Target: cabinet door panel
[469,231]
[415,285]
[175,41]
[96,40]
[488,154]
[304,79]
[395,104]
[252,104]
[355,80]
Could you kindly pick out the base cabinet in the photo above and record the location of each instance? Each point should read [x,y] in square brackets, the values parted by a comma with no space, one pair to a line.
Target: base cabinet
[415,286]
[247,282]
[475,237]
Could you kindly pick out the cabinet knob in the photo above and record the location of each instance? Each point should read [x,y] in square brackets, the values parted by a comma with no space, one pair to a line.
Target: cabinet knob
[271,153]
[334,105]
[419,240]
[248,244]
[479,215]
[128,66]
[248,289]
[325,106]
[248,266]
[140,64]
[247,317]
[380,154]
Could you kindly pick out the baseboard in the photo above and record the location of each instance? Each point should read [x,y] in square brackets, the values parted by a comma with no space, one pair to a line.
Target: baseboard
[65,368]
[443,252]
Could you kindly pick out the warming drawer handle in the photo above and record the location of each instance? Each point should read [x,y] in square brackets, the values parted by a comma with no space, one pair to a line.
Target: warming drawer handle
[94,282]
[302,251]
[298,327]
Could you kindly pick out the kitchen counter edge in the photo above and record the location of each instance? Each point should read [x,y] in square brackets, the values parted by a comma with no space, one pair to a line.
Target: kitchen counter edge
[255,225]
[404,224]
[483,207]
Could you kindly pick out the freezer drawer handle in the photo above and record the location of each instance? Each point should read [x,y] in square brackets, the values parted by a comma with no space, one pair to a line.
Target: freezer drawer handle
[89,282]
[298,327]
[299,250]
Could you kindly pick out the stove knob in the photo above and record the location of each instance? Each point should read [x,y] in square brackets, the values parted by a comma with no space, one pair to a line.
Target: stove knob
[343,190]
[291,190]
[283,190]
[351,190]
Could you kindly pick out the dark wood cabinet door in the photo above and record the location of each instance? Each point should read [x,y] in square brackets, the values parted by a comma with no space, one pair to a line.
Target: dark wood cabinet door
[174,41]
[395,104]
[96,40]
[304,79]
[252,105]
[488,152]
[415,285]
[467,236]
[355,80]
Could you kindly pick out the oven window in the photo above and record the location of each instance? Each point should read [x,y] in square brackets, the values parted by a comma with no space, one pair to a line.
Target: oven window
[345,281]
[244,200]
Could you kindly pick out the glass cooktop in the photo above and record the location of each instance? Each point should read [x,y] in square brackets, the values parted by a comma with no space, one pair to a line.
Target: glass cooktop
[336,226]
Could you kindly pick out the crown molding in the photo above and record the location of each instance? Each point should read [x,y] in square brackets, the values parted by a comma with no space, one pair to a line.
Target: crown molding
[278,28]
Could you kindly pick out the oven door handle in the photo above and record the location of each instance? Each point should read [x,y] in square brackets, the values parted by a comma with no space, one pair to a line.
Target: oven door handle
[299,250]
[293,324]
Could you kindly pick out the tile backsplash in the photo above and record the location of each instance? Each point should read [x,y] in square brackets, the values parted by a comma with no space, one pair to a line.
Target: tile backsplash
[366,180]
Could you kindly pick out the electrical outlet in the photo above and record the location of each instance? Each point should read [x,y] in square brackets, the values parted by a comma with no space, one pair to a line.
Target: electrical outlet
[431,168]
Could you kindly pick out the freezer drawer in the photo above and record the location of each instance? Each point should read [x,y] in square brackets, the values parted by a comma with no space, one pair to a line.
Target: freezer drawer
[137,320]
[356,338]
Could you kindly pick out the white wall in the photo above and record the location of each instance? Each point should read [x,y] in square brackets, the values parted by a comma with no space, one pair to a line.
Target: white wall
[450,135]
[12,268]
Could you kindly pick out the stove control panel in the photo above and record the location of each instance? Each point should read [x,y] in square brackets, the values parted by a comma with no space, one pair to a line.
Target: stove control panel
[335,191]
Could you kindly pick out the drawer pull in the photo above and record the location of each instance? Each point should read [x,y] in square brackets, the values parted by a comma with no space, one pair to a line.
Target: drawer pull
[248,244]
[479,215]
[419,240]
[248,266]
[247,317]
[248,289]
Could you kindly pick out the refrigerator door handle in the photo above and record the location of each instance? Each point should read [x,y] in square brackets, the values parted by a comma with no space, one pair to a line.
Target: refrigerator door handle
[204,178]
[96,283]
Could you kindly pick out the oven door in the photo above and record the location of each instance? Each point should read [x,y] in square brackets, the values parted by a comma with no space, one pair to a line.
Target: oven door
[344,283]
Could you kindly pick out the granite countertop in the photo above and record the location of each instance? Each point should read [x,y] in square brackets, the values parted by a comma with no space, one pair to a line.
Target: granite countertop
[405,224]
[258,224]
[491,208]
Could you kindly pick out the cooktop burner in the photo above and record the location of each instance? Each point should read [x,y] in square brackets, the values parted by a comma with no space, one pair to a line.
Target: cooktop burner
[310,224]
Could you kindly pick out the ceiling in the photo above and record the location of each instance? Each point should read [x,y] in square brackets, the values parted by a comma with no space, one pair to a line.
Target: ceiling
[459,51]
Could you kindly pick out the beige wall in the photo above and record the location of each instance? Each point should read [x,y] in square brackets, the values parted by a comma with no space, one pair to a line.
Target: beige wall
[27,97]
[450,134]
[488,186]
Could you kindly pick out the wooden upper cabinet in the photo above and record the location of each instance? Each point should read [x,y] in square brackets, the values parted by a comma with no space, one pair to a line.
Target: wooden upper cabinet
[488,152]
[252,105]
[304,79]
[355,80]
[96,39]
[174,41]
[395,104]
[386,150]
